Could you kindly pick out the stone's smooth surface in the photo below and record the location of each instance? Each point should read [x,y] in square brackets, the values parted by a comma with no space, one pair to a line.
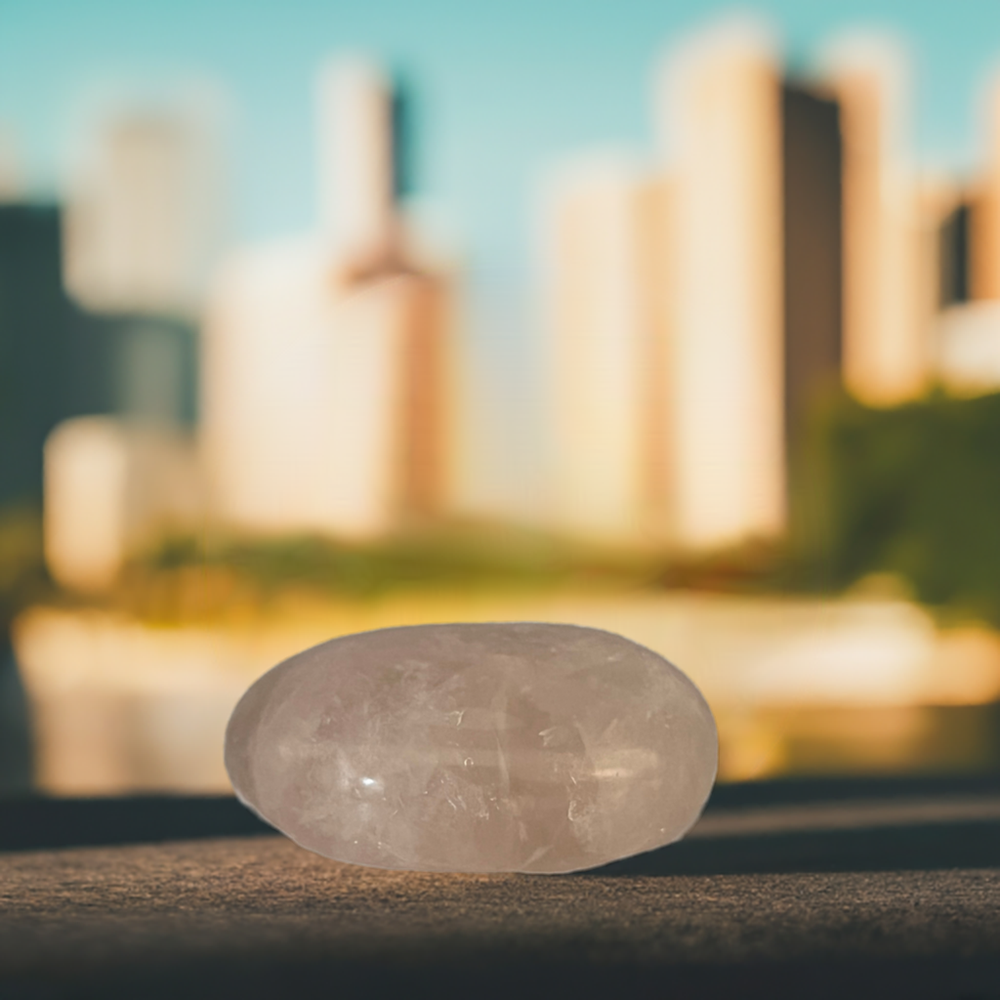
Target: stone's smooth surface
[475,748]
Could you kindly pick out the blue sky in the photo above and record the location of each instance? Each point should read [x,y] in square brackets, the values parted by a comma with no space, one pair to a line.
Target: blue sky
[503,90]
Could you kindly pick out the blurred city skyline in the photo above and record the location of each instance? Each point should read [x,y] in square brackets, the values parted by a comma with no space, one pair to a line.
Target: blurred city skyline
[58,60]
[502,99]
[287,335]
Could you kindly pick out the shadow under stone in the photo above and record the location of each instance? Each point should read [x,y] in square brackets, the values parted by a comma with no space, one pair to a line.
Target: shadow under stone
[907,847]
[38,823]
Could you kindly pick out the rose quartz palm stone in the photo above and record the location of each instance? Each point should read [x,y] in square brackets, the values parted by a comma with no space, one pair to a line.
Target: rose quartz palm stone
[475,748]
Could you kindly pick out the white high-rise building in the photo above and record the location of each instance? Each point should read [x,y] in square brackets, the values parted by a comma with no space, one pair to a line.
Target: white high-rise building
[324,355]
[143,222]
[307,422]
[112,488]
[887,339]
[967,330]
[723,269]
[603,217]
[666,308]
[356,141]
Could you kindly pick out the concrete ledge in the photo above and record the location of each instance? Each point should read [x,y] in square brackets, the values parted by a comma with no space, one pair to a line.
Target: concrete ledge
[877,896]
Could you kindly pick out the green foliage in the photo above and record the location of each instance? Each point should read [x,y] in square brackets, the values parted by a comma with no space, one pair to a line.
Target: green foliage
[22,568]
[363,570]
[214,576]
[913,490]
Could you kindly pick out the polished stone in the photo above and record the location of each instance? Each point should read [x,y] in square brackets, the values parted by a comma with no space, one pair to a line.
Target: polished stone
[475,747]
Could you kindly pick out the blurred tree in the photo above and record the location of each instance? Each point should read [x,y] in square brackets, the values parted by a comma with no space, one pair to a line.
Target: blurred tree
[913,490]
[22,567]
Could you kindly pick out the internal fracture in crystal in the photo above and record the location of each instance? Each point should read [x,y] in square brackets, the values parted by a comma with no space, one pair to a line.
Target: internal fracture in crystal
[475,748]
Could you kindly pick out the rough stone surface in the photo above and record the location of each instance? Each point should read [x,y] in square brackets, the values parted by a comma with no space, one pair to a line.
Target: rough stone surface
[475,747]
[257,918]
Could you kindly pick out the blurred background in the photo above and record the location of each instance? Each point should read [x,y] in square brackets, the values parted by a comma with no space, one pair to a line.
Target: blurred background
[667,319]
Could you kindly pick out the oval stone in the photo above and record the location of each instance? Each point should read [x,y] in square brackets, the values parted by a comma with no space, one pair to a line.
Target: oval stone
[475,748]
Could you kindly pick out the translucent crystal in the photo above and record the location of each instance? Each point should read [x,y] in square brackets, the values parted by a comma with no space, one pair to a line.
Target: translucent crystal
[476,748]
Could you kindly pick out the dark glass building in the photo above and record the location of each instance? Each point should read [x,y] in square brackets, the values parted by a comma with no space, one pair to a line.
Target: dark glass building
[812,168]
[58,361]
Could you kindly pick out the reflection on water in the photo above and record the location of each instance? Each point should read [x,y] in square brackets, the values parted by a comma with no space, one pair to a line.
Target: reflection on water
[867,685]
[823,740]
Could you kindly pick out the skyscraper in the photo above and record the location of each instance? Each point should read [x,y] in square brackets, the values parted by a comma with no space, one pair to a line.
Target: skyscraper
[58,363]
[112,488]
[604,221]
[325,356]
[725,357]
[143,219]
[36,382]
[984,213]
[953,249]
[696,309]
[812,248]
[886,326]
[967,329]
[357,156]
[142,227]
